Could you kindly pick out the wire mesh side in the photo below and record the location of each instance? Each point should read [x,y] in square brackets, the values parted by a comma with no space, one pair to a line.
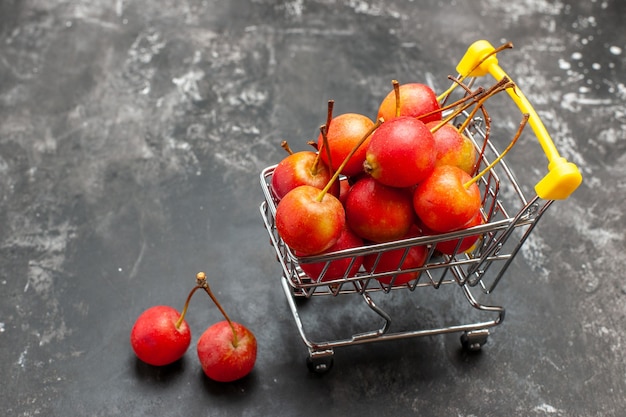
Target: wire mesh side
[508,217]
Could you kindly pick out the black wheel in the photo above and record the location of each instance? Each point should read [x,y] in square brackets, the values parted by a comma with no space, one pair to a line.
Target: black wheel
[474,340]
[320,365]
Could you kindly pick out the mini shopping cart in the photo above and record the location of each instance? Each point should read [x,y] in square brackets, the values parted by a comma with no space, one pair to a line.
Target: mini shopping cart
[510,214]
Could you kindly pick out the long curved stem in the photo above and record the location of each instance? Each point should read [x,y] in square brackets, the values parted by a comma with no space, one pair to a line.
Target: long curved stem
[499,158]
[396,90]
[202,283]
[180,320]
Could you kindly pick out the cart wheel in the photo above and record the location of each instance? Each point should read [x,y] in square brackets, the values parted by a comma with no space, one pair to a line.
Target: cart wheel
[474,340]
[320,365]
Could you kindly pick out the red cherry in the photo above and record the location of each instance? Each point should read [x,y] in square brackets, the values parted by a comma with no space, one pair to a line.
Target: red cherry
[452,147]
[377,212]
[390,261]
[443,202]
[400,153]
[309,220]
[226,350]
[337,268]
[345,137]
[416,100]
[300,168]
[155,338]
[223,358]
[449,247]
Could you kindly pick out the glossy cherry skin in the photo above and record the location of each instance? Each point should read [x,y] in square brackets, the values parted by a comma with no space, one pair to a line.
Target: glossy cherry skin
[155,338]
[222,360]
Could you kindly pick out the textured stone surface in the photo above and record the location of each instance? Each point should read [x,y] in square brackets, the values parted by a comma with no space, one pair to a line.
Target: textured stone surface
[131,138]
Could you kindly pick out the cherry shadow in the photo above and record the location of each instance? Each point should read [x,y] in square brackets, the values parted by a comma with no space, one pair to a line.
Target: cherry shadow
[159,375]
[240,388]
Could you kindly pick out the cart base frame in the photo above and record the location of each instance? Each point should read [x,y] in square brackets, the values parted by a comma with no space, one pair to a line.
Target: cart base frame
[321,353]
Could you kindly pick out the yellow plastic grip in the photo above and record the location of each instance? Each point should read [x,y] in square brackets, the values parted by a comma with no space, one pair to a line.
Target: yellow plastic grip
[563,177]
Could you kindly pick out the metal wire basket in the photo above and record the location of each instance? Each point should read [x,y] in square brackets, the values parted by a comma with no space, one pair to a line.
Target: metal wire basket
[509,216]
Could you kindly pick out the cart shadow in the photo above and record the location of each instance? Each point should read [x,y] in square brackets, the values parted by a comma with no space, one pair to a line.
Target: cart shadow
[403,362]
[468,361]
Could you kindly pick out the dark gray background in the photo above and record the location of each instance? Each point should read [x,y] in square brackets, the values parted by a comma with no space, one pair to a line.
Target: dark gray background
[131,138]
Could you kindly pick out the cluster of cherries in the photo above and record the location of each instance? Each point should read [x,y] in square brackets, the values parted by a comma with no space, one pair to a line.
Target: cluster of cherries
[227,350]
[410,173]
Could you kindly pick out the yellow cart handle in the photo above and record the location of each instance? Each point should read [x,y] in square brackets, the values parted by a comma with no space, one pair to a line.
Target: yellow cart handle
[563,177]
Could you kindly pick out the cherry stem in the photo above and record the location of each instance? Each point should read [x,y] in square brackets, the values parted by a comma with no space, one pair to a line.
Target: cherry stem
[286,147]
[468,93]
[460,129]
[324,131]
[326,148]
[522,124]
[315,165]
[322,193]
[482,108]
[487,133]
[461,105]
[477,98]
[180,320]
[329,113]
[201,282]
[501,85]
[396,89]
